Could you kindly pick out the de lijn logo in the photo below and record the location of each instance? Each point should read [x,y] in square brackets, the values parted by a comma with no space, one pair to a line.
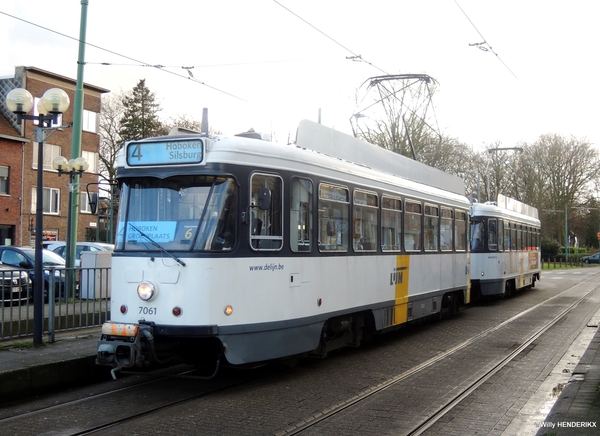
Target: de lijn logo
[397,275]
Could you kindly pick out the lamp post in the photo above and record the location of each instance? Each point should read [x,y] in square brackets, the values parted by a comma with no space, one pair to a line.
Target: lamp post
[493,150]
[54,102]
[73,167]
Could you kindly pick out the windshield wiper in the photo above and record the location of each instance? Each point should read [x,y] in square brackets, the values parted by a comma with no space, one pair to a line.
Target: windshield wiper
[157,245]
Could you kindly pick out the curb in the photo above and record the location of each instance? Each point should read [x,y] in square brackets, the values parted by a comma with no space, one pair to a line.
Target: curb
[35,380]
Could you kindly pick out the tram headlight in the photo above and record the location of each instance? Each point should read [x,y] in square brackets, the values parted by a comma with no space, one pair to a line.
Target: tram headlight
[146,291]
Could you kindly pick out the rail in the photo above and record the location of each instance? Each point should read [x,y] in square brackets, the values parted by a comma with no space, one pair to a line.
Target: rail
[88,307]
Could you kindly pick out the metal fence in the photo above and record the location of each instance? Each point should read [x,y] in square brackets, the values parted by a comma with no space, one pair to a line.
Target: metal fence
[84,305]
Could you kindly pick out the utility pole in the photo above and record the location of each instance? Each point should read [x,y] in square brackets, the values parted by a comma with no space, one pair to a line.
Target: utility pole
[75,153]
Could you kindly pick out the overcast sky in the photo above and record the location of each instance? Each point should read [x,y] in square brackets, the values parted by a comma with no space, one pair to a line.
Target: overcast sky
[268,64]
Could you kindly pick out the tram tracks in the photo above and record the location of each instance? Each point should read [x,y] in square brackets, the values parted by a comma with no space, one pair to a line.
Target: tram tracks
[318,418]
[497,367]
[99,423]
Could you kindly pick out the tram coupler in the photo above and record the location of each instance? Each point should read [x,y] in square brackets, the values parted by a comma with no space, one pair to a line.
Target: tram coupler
[124,346]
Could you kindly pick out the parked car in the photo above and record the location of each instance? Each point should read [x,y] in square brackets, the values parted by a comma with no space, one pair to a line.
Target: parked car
[15,285]
[60,248]
[23,258]
[594,258]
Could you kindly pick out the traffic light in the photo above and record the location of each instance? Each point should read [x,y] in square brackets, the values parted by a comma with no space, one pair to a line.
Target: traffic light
[598,234]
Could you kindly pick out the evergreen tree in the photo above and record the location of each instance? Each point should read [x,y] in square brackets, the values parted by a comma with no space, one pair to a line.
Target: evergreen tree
[140,119]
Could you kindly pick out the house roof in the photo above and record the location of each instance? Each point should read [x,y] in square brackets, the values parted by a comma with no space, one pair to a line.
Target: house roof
[32,71]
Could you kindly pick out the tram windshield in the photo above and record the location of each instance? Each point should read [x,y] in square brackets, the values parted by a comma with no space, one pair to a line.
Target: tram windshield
[477,235]
[178,213]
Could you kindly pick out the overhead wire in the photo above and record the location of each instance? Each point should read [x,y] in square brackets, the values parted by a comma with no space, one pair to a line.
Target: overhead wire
[483,45]
[157,66]
[357,57]
[190,76]
[229,64]
[354,57]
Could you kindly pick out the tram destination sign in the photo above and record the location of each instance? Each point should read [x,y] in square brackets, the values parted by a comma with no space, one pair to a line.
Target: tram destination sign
[189,151]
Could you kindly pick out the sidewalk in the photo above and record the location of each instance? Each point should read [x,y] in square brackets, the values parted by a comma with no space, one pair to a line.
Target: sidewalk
[577,410]
[31,371]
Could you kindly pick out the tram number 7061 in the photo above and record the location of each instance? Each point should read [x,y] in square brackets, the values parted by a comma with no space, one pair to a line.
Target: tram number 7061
[147,310]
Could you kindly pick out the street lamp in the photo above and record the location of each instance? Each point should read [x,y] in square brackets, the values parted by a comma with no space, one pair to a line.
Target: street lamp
[490,151]
[73,167]
[54,102]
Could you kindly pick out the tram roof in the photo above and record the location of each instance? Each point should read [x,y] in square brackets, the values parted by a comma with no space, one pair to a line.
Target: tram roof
[322,139]
[328,143]
[507,206]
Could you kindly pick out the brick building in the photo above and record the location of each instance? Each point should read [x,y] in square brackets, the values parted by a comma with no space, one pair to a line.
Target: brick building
[18,162]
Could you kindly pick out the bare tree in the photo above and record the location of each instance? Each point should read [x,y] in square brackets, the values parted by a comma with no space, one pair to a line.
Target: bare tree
[559,175]
[571,167]
[111,141]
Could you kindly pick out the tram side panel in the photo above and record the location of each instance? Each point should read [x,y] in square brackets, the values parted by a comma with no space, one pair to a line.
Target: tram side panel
[505,247]
[519,269]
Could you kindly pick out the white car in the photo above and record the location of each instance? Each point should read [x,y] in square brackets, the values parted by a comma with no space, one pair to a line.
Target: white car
[60,248]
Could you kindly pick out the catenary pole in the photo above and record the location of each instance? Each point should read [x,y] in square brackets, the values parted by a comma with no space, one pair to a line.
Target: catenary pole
[76,151]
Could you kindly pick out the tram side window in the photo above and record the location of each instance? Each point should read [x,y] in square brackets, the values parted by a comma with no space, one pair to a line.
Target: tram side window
[364,225]
[301,221]
[500,235]
[507,235]
[266,220]
[492,235]
[446,240]
[460,230]
[432,224]
[513,237]
[334,204]
[412,226]
[391,223]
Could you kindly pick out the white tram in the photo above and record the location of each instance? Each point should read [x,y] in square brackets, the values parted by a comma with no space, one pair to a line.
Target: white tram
[505,247]
[247,250]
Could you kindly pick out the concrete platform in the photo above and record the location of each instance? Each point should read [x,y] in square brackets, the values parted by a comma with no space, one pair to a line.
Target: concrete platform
[27,371]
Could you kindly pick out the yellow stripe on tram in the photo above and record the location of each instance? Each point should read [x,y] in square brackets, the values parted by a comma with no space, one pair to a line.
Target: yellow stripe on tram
[400,278]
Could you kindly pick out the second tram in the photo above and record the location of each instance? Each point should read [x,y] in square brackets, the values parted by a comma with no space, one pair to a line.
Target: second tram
[505,247]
